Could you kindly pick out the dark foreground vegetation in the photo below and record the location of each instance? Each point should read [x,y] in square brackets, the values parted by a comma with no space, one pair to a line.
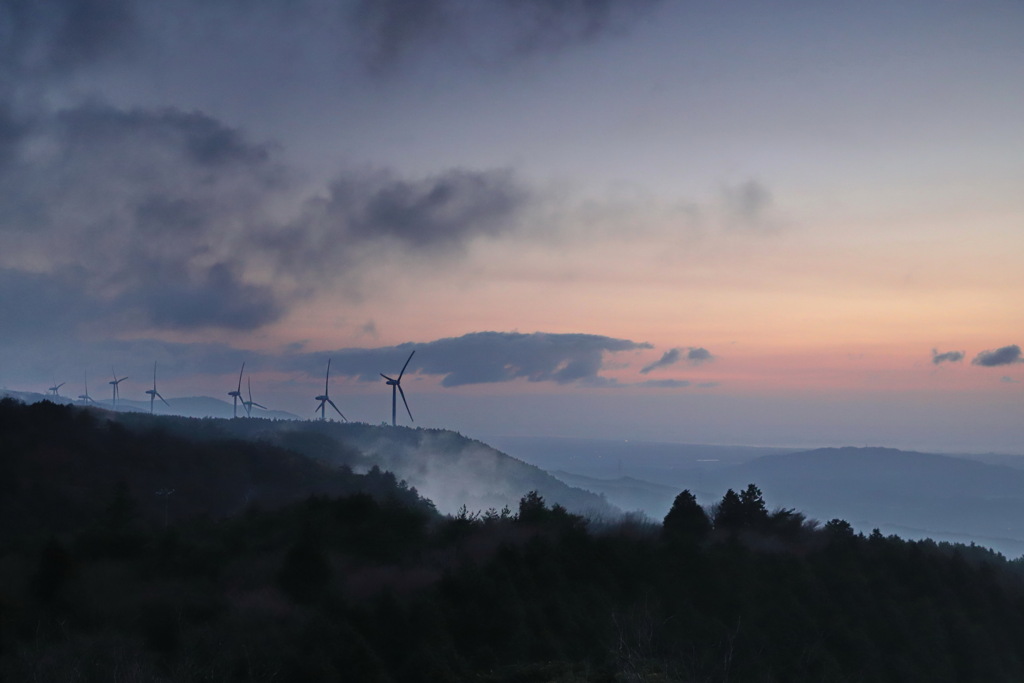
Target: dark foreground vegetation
[367,582]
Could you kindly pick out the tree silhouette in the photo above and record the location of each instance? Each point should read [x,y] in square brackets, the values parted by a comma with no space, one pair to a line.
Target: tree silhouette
[686,522]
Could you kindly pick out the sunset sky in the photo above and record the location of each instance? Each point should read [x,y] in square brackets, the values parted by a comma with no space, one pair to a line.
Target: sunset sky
[781,223]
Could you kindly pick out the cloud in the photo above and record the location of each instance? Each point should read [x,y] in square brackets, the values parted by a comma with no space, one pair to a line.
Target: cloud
[483,357]
[390,28]
[668,358]
[172,219]
[698,355]
[1007,379]
[486,30]
[43,39]
[1006,355]
[149,211]
[946,357]
[365,216]
[694,354]
[435,212]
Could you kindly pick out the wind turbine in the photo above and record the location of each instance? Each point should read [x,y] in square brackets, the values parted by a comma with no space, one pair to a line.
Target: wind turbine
[237,393]
[86,397]
[114,384]
[325,398]
[250,403]
[396,388]
[154,394]
[55,389]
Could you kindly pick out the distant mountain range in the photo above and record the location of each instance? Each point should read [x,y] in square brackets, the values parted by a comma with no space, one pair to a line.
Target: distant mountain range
[913,495]
[959,498]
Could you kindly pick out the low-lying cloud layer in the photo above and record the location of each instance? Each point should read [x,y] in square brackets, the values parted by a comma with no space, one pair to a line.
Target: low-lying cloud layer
[486,357]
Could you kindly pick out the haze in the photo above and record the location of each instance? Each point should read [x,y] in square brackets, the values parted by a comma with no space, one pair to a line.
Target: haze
[700,222]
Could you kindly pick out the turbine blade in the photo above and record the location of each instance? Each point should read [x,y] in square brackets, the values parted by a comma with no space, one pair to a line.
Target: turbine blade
[248,380]
[406,365]
[240,377]
[164,400]
[253,403]
[328,378]
[386,377]
[337,411]
[405,402]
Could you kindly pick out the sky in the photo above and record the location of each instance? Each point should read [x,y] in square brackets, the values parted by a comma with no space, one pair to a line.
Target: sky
[784,223]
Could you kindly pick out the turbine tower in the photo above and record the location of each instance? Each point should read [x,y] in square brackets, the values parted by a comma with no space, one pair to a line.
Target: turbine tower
[325,397]
[55,389]
[154,394]
[237,393]
[86,398]
[114,384]
[250,403]
[396,388]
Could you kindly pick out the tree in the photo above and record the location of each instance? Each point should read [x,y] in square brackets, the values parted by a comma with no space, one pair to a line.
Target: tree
[754,509]
[745,510]
[729,513]
[686,522]
[532,509]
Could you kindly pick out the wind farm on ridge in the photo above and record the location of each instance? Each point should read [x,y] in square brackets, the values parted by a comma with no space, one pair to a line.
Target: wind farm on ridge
[117,400]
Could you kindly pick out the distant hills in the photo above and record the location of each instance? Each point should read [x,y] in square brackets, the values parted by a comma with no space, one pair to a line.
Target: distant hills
[914,495]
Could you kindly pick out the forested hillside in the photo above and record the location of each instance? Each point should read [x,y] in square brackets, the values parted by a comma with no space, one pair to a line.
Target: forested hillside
[445,466]
[366,582]
[62,466]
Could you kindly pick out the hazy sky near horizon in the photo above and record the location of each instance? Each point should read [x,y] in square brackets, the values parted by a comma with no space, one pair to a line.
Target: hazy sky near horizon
[767,223]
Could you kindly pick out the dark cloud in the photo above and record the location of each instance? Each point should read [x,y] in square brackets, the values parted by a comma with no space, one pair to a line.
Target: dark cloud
[433,217]
[486,30]
[698,355]
[218,297]
[668,358]
[152,212]
[438,211]
[389,28]
[1006,355]
[484,357]
[946,357]
[46,38]
[164,214]
[694,355]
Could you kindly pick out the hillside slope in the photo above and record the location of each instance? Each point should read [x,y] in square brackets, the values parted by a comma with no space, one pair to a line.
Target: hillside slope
[449,469]
[63,465]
